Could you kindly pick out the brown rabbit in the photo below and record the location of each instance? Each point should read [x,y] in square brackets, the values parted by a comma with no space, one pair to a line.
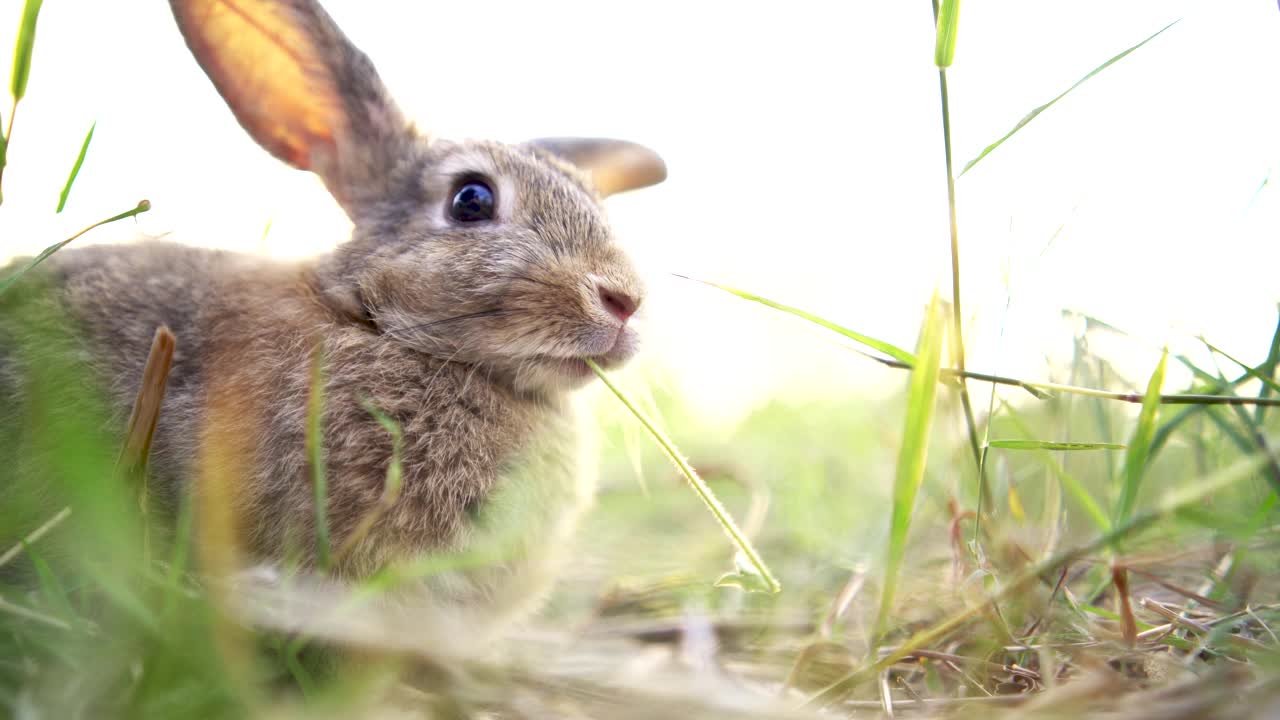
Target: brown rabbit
[478,278]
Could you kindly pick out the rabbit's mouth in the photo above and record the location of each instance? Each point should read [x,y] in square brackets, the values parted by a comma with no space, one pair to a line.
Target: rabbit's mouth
[577,369]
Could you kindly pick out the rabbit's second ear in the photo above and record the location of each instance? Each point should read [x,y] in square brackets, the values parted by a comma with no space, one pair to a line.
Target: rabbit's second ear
[299,87]
[614,165]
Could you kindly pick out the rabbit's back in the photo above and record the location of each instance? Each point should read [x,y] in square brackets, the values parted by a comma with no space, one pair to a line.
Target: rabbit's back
[106,303]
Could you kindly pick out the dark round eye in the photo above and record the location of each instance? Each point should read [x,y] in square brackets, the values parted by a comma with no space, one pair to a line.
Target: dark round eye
[472,202]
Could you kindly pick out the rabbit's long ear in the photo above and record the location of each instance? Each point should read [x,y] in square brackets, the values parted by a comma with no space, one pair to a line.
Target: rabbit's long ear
[614,165]
[300,88]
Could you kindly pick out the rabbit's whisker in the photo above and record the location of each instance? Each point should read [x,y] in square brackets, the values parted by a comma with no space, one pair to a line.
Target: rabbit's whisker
[466,316]
[528,279]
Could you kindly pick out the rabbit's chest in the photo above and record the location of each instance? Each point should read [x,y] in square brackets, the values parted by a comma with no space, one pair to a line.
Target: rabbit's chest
[521,534]
[419,456]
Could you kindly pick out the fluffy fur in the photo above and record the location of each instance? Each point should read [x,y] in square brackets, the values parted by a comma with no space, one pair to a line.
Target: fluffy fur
[469,335]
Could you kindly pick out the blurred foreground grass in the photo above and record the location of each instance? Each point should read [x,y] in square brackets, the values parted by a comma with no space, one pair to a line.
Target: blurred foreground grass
[636,628]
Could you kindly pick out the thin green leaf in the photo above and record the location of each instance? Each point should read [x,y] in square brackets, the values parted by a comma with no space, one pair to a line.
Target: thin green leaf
[1074,487]
[1269,369]
[391,486]
[1168,427]
[75,169]
[44,529]
[944,48]
[51,588]
[4,159]
[913,455]
[1135,459]
[1032,115]
[891,350]
[395,473]
[747,559]
[315,456]
[5,283]
[179,557]
[1082,496]
[1051,445]
[124,595]
[22,51]
[1251,372]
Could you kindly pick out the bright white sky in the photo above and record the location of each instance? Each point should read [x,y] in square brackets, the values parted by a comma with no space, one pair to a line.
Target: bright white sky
[804,146]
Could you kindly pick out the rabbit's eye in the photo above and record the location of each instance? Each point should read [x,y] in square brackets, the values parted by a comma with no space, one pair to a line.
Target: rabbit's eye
[472,202]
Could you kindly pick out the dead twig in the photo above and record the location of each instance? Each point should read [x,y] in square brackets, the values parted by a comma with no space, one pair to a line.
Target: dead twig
[132,462]
[131,465]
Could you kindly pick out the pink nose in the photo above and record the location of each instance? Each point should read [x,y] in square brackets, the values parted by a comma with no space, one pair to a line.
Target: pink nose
[620,305]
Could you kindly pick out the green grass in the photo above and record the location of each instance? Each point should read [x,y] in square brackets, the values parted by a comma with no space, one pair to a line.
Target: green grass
[751,572]
[922,394]
[75,169]
[1139,450]
[315,456]
[1118,554]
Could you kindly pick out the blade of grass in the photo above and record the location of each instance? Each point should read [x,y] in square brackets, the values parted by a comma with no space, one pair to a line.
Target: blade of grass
[1051,445]
[1135,458]
[1032,115]
[704,493]
[124,595]
[1269,370]
[75,169]
[29,614]
[35,535]
[1257,374]
[22,51]
[179,557]
[1168,427]
[52,589]
[21,71]
[1252,422]
[903,360]
[914,452]
[4,152]
[315,456]
[1082,496]
[391,486]
[1068,481]
[891,350]
[7,282]
[1173,502]
[944,48]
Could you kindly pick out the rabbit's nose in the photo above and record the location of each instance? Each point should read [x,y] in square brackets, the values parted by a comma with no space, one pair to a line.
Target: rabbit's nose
[618,303]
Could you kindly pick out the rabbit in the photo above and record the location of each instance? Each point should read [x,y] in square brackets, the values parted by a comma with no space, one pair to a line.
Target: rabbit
[477,280]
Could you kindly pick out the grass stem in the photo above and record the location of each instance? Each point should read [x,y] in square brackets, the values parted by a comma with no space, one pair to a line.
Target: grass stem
[315,457]
[7,282]
[736,536]
[957,327]
[35,535]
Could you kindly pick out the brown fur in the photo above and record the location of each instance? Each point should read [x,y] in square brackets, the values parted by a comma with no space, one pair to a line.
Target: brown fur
[468,335]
